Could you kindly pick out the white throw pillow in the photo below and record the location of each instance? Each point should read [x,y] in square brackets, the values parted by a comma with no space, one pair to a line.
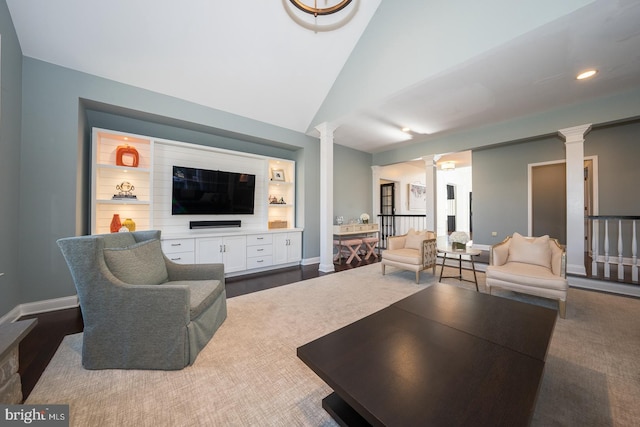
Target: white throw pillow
[530,251]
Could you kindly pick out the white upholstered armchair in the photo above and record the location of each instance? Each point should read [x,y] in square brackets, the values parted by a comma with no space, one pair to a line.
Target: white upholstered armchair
[415,251]
[530,265]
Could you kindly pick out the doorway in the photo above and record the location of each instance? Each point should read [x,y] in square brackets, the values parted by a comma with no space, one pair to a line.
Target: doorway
[387,210]
[548,199]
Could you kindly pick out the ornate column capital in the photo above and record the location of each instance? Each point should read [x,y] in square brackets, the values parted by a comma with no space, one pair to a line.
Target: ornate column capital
[575,134]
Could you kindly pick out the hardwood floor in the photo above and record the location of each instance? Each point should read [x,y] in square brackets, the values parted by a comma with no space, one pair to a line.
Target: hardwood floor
[37,348]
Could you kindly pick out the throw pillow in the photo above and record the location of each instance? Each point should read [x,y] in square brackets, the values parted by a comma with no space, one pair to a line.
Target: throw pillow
[530,251]
[414,239]
[139,264]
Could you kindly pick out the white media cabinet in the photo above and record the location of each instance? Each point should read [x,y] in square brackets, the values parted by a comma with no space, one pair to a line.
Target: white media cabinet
[241,252]
[268,239]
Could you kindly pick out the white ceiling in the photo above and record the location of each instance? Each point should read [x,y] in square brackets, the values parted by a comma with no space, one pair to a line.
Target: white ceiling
[267,61]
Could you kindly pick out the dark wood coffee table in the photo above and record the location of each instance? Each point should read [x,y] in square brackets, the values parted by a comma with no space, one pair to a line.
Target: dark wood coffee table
[444,356]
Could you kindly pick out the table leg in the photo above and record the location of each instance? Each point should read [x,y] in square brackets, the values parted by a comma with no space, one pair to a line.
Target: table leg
[444,258]
[475,279]
[459,267]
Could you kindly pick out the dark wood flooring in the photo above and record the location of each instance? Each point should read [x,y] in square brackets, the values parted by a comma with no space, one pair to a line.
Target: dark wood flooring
[37,348]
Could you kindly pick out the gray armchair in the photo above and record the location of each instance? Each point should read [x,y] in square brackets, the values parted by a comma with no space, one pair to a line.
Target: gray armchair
[140,310]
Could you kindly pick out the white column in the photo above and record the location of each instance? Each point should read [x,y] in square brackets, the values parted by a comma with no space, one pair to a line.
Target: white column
[431,184]
[574,143]
[326,197]
[375,193]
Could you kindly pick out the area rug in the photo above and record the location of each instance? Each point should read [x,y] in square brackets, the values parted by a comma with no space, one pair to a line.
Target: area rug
[249,374]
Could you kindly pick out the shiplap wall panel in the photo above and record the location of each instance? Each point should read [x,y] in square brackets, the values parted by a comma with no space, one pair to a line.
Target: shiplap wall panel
[168,154]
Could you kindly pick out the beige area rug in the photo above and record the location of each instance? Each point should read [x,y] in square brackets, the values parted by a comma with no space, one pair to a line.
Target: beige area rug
[249,374]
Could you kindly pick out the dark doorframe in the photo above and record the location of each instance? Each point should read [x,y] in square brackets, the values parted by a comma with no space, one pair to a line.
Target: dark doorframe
[387,207]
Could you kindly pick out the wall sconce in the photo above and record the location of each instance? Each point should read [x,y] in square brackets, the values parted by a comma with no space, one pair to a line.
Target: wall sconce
[447,166]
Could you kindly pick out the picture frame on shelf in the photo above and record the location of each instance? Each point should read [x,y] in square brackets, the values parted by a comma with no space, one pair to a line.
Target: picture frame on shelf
[277,174]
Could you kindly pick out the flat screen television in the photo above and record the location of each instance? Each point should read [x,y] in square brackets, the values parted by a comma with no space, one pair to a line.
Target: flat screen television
[208,192]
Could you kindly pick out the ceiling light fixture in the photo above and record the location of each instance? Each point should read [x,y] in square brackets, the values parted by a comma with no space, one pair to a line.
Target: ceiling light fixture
[447,166]
[406,130]
[335,6]
[586,74]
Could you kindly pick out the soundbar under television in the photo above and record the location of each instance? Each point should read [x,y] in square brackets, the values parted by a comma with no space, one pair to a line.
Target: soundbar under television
[208,192]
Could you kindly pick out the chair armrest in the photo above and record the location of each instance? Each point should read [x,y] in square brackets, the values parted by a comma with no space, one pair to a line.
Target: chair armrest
[135,307]
[499,253]
[429,252]
[194,271]
[396,242]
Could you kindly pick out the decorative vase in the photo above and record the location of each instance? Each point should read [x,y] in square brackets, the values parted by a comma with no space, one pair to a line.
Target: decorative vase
[127,155]
[457,246]
[115,223]
[130,224]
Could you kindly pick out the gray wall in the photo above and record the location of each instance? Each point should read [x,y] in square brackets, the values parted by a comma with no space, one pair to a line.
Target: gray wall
[54,174]
[10,116]
[351,183]
[500,178]
[618,151]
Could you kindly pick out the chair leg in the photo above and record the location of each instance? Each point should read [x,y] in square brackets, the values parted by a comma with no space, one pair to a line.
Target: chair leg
[382,268]
[418,277]
[562,308]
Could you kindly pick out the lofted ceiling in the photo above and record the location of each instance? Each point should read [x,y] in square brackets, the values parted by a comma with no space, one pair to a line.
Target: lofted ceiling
[379,65]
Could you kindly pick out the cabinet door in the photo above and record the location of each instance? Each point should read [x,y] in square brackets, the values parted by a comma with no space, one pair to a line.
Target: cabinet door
[235,253]
[294,246]
[280,248]
[209,250]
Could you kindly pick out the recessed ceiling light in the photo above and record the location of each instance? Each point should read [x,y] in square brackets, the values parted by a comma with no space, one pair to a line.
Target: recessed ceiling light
[406,130]
[586,74]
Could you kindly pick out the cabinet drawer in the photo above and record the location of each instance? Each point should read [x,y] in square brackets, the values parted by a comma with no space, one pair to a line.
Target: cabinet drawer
[259,239]
[177,245]
[261,261]
[259,250]
[182,257]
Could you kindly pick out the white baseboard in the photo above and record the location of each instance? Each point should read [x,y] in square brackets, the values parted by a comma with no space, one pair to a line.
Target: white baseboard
[11,316]
[38,307]
[481,247]
[309,261]
[604,286]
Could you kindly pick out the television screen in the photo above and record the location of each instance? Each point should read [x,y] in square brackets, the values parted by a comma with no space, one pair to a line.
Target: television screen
[207,192]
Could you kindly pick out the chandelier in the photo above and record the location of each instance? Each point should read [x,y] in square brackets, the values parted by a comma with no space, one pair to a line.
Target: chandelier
[331,6]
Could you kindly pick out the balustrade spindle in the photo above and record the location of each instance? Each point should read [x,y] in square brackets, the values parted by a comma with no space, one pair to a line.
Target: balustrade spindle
[594,247]
[626,259]
[607,266]
[634,254]
[620,248]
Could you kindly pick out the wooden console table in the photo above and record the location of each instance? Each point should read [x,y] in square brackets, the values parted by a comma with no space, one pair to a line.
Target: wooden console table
[340,232]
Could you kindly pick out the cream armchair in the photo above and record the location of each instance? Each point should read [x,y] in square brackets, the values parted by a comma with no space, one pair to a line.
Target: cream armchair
[415,251]
[530,265]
